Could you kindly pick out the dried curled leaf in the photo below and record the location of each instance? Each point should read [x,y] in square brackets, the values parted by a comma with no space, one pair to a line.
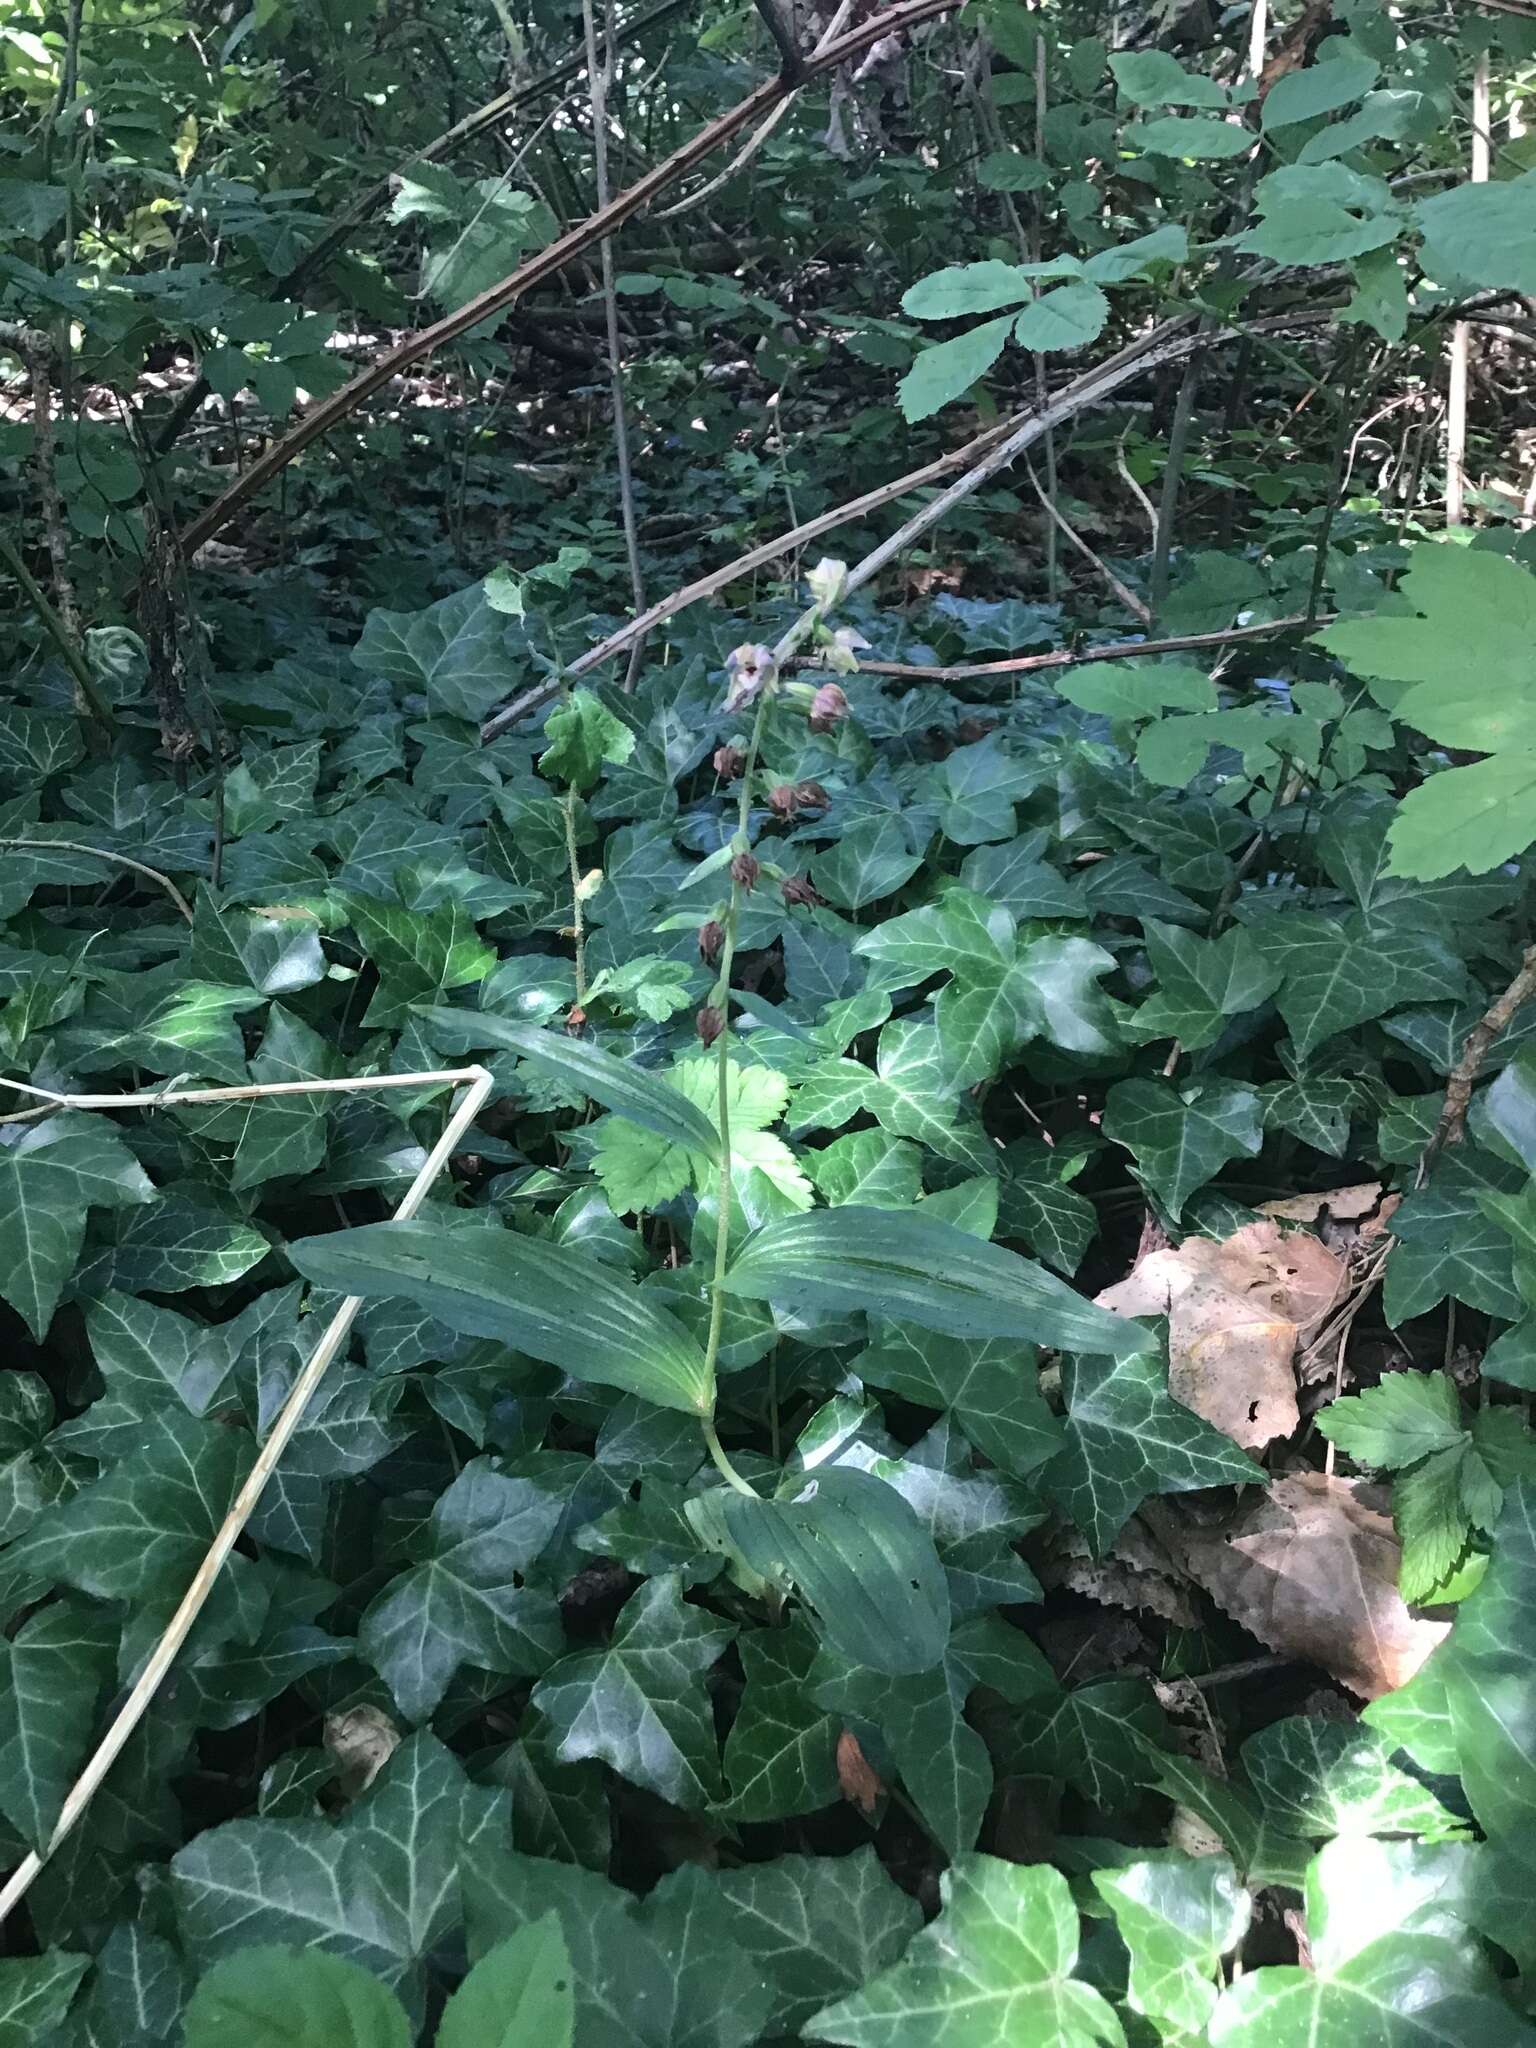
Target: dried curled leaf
[1236,1312]
[861,1782]
[1310,1569]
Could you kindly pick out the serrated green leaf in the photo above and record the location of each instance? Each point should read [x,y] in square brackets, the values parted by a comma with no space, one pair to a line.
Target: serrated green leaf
[584,738]
[1403,1419]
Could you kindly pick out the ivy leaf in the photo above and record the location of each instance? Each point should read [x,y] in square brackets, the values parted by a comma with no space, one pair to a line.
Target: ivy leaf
[1138,689]
[640,1704]
[419,954]
[1202,983]
[60,1662]
[1488,1669]
[35,1994]
[139,1532]
[941,1760]
[989,1384]
[1127,1438]
[1097,1737]
[780,1756]
[995,1966]
[455,651]
[379,1887]
[1178,1916]
[518,1995]
[1318,1777]
[1181,1136]
[584,737]
[51,1174]
[463,1603]
[872,858]
[290,1998]
[816,1927]
[1401,1991]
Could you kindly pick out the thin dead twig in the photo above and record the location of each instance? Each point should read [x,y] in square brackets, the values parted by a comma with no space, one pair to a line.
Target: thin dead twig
[1500,1014]
[123,860]
[1123,591]
[547,263]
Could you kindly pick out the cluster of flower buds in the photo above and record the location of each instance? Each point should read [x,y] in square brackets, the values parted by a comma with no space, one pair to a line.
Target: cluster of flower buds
[788,799]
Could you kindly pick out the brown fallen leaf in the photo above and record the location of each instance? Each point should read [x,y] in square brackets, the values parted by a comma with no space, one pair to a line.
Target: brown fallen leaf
[861,1782]
[362,1740]
[1347,1204]
[1310,1568]
[1236,1312]
[1133,1573]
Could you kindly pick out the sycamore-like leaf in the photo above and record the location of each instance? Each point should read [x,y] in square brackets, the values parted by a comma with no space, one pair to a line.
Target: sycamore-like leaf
[995,1966]
[463,1602]
[558,1305]
[293,1998]
[519,1995]
[910,1268]
[640,1704]
[51,1174]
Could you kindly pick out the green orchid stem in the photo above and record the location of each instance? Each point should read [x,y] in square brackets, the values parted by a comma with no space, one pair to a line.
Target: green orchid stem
[578,920]
[722,996]
[726,1469]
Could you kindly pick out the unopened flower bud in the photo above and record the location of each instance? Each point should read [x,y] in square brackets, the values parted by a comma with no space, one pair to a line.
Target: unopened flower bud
[781,800]
[745,869]
[575,1018]
[810,796]
[829,707]
[711,939]
[800,889]
[729,763]
[709,1023]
